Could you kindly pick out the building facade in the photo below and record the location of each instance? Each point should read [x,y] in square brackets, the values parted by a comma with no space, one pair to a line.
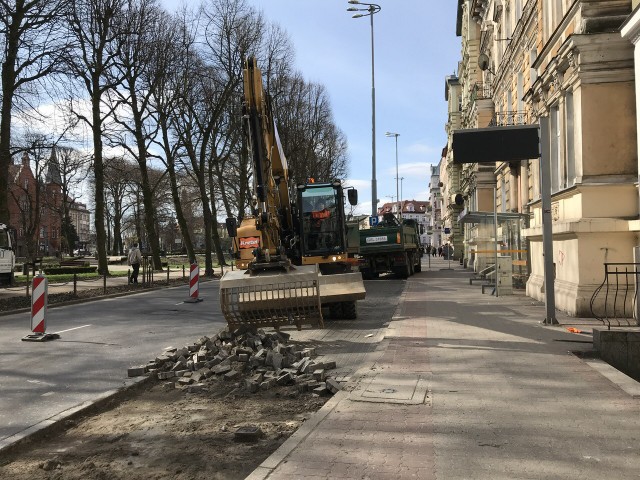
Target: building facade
[565,60]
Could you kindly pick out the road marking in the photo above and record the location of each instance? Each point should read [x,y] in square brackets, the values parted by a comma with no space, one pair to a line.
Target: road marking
[74,328]
[179,303]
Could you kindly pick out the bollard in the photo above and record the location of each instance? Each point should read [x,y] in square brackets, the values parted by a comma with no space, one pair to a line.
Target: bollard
[183,272]
[39,299]
[168,269]
[28,283]
[75,284]
[194,284]
[104,283]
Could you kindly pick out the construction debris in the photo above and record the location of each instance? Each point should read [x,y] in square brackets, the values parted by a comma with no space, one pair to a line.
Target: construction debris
[253,358]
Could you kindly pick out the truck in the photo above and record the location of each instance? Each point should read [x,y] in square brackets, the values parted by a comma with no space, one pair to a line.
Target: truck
[7,254]
[392,245]
[291,251]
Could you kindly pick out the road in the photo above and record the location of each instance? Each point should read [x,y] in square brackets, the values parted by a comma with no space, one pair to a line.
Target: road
[99,341]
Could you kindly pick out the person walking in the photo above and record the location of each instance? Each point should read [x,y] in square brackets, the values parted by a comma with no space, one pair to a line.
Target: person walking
[135,257]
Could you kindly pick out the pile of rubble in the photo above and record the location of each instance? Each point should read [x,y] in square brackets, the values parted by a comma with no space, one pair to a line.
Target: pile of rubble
[258,360]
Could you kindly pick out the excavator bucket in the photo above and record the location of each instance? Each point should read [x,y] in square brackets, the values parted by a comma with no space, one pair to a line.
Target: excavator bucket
[271,298]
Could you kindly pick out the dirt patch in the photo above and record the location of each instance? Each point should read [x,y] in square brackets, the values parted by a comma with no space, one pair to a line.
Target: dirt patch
[167,435]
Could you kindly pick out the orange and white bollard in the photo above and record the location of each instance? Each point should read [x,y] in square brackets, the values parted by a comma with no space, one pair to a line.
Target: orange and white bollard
[39,302]
[194,284]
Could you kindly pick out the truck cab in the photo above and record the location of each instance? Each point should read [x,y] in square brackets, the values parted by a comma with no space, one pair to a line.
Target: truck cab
[7,254]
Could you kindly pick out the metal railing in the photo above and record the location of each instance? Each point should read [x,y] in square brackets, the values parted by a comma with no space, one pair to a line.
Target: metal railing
[503,119]
[480,91]
[617,296]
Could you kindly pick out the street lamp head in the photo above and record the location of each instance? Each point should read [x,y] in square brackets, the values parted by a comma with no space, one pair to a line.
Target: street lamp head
[354,2]
[357,15]
[352,9]
[391,134]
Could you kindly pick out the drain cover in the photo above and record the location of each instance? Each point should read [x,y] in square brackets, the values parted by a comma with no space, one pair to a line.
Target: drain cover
[393,388]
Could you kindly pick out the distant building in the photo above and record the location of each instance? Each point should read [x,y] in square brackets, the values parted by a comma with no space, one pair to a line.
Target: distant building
[418,210]
[81,220]
[34,208]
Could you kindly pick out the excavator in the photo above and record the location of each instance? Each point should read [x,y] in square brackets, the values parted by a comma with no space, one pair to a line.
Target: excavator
[291,253]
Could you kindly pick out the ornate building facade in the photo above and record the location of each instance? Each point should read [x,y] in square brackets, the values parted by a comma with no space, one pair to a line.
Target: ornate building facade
[565,60]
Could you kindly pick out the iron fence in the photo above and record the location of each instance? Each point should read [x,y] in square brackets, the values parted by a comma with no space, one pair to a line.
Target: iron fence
[616,298]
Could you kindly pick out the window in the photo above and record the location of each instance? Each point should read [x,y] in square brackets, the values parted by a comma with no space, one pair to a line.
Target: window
[569,135]
[555,157]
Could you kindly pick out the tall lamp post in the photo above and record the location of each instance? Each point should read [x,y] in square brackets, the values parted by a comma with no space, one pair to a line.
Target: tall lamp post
[396,135]
[371,9]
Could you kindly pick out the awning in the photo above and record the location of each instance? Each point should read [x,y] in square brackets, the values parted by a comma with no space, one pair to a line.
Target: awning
[488,217]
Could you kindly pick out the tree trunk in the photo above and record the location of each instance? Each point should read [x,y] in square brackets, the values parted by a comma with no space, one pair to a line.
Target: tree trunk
[98,168]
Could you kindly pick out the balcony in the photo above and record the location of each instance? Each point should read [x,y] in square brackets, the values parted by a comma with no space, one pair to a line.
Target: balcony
[480,91]
[503,119]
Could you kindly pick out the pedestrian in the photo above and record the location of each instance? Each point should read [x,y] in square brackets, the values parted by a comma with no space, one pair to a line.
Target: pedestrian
[434,250]
[135,257]
[440,251]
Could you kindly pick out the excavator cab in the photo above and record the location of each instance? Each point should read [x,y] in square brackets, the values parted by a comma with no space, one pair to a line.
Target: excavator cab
[322,221]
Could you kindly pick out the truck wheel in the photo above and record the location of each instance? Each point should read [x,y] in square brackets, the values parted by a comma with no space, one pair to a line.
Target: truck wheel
[411,266]
[419,266]
[12,279]
[349,310]
[366,274]
[335,310]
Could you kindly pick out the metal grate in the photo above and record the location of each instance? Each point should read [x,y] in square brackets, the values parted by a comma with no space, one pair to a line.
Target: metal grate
[272,304]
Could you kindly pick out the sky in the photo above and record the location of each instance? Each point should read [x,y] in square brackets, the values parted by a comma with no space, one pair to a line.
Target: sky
[415,49]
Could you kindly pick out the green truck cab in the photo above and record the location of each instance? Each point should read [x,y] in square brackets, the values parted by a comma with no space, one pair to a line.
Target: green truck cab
[391,246]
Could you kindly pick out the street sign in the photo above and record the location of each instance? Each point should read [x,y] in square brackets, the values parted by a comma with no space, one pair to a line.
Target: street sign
[373,221]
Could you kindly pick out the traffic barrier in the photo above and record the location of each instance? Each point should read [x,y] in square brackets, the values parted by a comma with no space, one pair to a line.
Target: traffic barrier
[39,301]
[194,284]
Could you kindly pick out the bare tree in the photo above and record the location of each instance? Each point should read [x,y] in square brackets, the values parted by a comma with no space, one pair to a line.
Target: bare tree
[71,168]
[138,47]
[32,40]
[174,48]
[94,25]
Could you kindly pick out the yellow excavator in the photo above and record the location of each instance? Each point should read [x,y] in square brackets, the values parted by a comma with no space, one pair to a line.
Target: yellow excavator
[291,254]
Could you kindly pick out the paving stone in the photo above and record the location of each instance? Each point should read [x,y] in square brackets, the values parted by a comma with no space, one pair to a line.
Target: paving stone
[136,371]
[185,381]
[221,369]
[248,433]
[165,375]
[168,386]
[333,385]
[231,375]
[319,375]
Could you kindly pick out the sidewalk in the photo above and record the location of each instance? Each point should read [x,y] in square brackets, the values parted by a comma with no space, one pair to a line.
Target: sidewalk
[470,386]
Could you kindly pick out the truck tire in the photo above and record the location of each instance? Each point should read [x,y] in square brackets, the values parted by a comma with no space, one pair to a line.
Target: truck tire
[349,310]
[418,268]
[335,310]
[366,274]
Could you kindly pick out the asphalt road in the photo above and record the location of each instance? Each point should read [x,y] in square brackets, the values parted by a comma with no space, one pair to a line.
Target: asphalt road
[99,341]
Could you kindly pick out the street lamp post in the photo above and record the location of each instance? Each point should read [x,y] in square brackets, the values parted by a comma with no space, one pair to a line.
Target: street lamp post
[372,9]
[396,135]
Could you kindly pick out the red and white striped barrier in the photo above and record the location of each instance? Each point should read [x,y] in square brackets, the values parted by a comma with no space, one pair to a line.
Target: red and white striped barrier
[39,303]
[194,284]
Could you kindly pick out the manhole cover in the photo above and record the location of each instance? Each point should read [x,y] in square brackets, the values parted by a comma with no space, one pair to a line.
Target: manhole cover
[393,388]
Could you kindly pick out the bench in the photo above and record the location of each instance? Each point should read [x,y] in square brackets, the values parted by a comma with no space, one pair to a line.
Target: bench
[484,274]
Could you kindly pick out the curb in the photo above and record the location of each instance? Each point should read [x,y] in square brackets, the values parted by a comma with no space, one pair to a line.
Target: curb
[55,423]
[266,468]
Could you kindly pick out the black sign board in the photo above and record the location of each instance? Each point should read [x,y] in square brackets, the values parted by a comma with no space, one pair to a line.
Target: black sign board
[496,144]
